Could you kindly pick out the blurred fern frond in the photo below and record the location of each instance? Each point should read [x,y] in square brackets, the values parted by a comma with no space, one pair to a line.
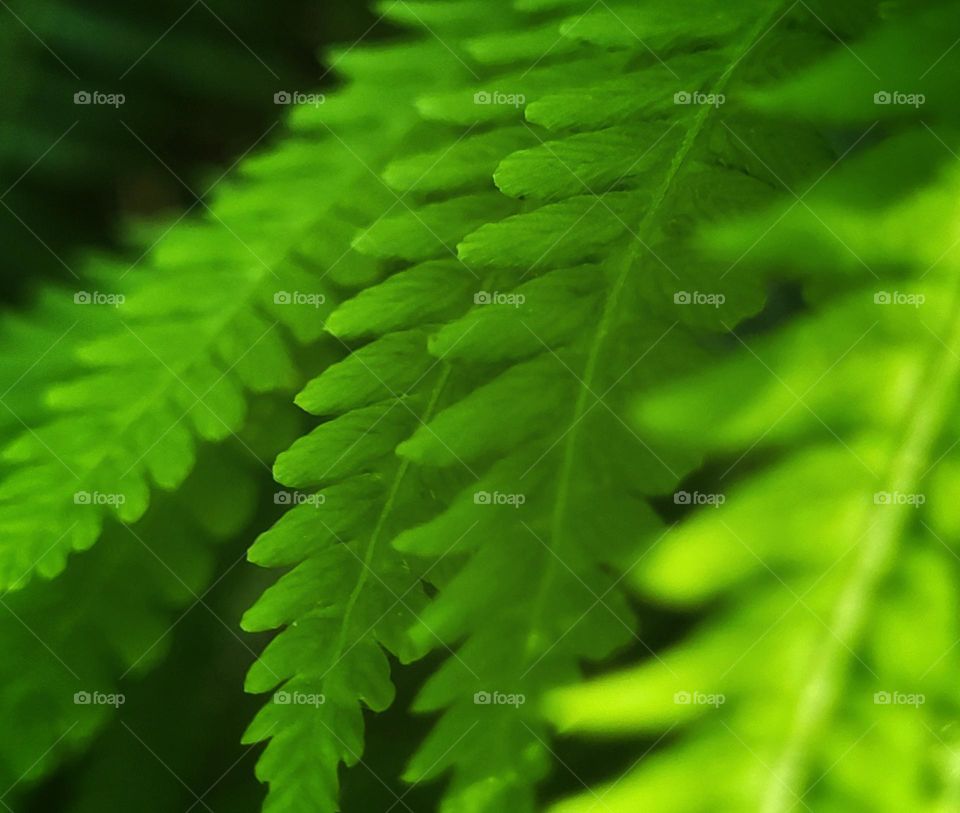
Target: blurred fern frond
[823,676]
[170,342]
[109,617]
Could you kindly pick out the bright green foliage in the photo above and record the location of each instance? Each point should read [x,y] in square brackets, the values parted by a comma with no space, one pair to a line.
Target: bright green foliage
[831,566]
[350,597]
[501,374]
[107,397]
[205,317]
[545,233]
[108,617]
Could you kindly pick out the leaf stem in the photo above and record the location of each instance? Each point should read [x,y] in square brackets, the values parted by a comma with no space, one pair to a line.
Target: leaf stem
[377,532]
[627,261]
[931,399]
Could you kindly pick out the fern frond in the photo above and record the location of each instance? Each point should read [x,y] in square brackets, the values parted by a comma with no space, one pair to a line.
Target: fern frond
[350,598]
[207,318]
[108,618]
[810,684]
[210,313]
[503,393]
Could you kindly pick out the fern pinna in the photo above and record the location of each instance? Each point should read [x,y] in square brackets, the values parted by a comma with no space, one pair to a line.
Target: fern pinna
[538,278]
[825,677]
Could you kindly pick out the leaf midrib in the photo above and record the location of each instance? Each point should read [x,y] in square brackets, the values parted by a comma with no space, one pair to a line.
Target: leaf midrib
[931,395]
[384,514]
[565,477]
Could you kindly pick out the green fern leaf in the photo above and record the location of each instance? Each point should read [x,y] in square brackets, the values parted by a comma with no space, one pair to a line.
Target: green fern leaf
[809,685]
[556,288]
